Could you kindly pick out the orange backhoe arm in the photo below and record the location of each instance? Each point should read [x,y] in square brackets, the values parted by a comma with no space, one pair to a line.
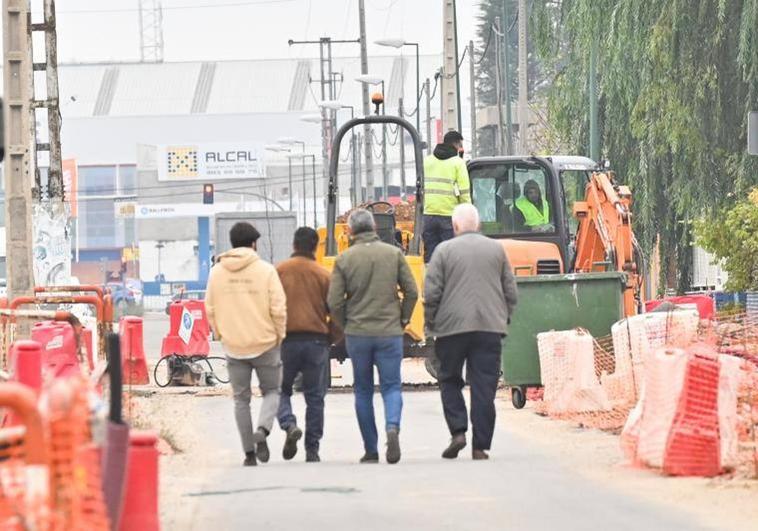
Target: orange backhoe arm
[604,240]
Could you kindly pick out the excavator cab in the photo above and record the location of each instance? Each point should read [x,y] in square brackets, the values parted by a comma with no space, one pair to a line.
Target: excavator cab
[334,236]
[527,202]
[562,214]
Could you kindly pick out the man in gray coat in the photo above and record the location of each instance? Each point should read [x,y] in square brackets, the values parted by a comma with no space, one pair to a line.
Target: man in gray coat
[469,296]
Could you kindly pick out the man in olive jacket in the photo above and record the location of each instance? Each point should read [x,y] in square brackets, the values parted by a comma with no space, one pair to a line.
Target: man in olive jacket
[469,296]
[363,299]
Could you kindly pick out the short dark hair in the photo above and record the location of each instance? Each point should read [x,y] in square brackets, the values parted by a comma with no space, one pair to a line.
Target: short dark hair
[305,240]
[243,234]
[452,137]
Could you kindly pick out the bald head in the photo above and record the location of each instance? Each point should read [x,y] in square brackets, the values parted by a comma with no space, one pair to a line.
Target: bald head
[465,218]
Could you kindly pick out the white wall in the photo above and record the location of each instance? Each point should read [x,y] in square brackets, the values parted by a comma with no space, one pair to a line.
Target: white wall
[178,260]
[706,272]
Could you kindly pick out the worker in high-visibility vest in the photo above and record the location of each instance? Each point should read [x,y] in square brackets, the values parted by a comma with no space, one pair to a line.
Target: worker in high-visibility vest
[446,185]
[532,210]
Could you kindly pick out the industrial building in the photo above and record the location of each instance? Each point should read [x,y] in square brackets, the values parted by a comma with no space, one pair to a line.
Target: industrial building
[117,117]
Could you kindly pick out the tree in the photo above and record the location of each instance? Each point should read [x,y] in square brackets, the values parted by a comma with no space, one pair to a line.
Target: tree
[675,79]
[486,69]
[734,241]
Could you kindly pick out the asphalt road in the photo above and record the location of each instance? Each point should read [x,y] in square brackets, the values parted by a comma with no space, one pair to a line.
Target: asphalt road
[519,488]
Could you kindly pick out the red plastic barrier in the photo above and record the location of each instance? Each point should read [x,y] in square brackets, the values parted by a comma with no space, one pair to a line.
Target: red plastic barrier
[706,306]
[59,349]
[89,347]
[26,365]
[26,360]
[693,447]
[198,342]
[133,352]
[140,511]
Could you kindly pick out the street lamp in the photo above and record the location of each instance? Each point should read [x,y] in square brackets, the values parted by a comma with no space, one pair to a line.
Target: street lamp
[399,43]
[312,118]
[335,105]
[282,149]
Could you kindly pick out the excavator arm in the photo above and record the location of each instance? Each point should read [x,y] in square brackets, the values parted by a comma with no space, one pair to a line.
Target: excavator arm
[604,240]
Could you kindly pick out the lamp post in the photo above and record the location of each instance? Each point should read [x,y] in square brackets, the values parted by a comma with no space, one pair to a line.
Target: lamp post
[336,106]
[276,148]
[399,43]
[367,79]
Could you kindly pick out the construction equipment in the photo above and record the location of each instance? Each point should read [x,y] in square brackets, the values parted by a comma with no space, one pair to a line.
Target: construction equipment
[589,218]
[334,238]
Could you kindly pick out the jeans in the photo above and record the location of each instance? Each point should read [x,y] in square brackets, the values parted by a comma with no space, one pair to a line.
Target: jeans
[387,354]
[268,369]
[308,356]
[481,353]
[437,229]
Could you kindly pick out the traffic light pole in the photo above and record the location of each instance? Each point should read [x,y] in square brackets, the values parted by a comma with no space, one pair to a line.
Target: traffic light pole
[203,247]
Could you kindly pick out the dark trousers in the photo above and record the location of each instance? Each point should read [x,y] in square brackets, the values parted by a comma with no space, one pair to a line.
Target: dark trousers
[481,353]
[310,358]
[437,229]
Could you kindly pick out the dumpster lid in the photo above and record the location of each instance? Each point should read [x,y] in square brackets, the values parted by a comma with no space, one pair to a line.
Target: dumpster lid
[573,277]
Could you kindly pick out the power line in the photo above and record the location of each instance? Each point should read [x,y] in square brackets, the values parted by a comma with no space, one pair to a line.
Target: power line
[487,45]
[177,7]
[458,68]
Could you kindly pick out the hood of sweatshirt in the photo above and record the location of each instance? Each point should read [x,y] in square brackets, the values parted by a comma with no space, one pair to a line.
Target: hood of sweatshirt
[445,151]
[237,259]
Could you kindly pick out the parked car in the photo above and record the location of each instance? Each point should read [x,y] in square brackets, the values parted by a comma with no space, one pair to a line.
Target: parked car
[195,295]
[127,297]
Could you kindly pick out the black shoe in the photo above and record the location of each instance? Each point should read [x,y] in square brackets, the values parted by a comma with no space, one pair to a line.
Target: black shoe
[457,443]
[290,443]
[479,455]
[250,459]
[370,458]
[261,446]
[393,446]
[311,456]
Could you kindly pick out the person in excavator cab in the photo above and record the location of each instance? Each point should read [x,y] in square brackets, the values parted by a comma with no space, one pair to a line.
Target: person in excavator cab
[532,210]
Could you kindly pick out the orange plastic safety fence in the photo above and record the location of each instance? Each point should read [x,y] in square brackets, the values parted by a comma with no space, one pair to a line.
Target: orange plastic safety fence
[74,464]
[597,381]
[24,503]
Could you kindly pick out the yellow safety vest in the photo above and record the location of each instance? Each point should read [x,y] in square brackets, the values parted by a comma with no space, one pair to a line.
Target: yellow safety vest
[442,178]
[532,216]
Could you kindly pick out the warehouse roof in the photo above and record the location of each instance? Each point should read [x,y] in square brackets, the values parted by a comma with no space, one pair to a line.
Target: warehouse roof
[228,87]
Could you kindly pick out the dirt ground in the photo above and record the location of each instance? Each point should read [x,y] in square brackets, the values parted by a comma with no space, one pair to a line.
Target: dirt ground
[721,503]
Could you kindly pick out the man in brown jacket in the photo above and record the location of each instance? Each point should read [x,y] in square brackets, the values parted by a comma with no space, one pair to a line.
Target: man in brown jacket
[306,347]
[247,311]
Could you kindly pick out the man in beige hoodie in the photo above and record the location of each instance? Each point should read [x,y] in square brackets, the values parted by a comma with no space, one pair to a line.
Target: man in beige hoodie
[247,310]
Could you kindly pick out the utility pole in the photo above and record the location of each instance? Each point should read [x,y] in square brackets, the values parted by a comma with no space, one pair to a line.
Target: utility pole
[505,29]
[52,104]
[472,78]
[523,80]
[50,217]
[401,133]
[450,67]
[328,118]
[366,101]
[499,137]
[17,84]
[429,142]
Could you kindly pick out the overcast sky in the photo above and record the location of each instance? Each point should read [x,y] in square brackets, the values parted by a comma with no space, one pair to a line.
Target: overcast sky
[100,30]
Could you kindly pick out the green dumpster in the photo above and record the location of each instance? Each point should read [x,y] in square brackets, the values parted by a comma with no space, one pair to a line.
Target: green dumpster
[593,301]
